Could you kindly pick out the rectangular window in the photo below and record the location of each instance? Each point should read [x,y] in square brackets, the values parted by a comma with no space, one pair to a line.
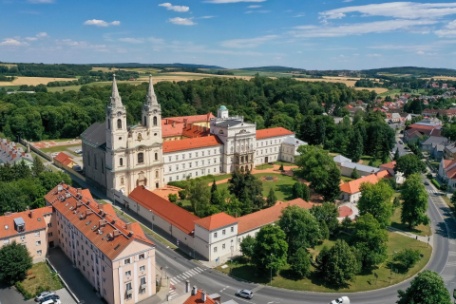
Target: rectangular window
[127,261]
[142,256]
[202,153]
[142,268]
[196,154]
[232,229]
[49,225]
[128,291]
[37,233]
[215,234]
[215,249]
[39,252]
[49,234]
[127,273]
[223,246]
[223,232]
[23,238]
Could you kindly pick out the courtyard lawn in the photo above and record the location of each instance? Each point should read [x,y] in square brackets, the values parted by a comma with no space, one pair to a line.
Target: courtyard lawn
[379,278]
[39,278]
[264,166]
[423,230]
[281,184]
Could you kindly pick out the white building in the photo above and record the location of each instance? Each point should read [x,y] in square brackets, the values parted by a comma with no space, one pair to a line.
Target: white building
[157,151]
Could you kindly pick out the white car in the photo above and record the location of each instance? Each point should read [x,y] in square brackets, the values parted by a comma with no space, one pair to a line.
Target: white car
[78,151]
[43,295]
[341,300]
[244,293]
[56,301]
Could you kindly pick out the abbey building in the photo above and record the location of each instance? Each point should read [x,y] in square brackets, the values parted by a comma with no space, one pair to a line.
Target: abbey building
[158,150]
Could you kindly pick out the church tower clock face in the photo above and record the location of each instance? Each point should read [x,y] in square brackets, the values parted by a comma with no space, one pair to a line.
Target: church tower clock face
[119,113]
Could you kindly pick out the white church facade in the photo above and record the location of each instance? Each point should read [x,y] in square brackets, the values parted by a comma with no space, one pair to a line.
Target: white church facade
[156,151]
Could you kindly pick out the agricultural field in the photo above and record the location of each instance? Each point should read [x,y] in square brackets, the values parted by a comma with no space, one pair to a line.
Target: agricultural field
[32,81]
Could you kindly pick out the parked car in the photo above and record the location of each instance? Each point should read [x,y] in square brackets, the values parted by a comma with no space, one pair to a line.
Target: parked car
[78,151]
[57,301]
[53,297]
[244,293]
[341,300]
[44,294]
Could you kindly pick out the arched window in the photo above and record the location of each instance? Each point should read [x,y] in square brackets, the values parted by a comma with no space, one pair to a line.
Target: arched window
[156,156]
[140,158]
[121,161]
[119,123]
[155,121]
[122,181]
[156,174]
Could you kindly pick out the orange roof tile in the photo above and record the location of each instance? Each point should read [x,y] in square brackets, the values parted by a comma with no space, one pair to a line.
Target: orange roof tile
[172,130]
[105,230]
[197,299]
[33,221]
[268,216]
[190,143]
[353,186]
[172,213]
[63,158]
[272,132]
[389,165]
[190,119]
[216,221]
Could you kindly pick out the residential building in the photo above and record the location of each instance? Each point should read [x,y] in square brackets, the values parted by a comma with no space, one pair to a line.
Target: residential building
[346,167]
[11,153]
[116,258]
[351,191]
[31,228]
[63,160]
[449,151]
[447,173]
[119,158]
[432,141]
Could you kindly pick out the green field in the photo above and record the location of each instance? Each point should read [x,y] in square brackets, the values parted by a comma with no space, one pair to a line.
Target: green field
[40,278]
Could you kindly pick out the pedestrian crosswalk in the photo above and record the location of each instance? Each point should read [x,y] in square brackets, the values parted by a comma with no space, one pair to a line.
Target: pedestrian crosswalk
[185,276]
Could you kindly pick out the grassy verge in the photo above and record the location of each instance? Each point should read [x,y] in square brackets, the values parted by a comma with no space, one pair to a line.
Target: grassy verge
[423,230]
[379,278]
[264,166]
[60,148]
[39,278]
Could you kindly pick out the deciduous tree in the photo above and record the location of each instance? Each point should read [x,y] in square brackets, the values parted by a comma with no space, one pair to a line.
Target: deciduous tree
[415,202]
[270,249]
[15,260]
[426,288]
[376,200]
[409,164]
[300,262]
[326,214]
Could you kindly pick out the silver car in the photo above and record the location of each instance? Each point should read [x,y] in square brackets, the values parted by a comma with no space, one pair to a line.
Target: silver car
[244,293]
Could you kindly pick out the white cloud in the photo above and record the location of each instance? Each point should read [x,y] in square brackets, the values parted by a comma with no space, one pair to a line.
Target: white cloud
[205,17]
[182,21]
[448,31]
[38,36]
[176,8]
[12,42]
[81,45]
[253,6]
[232,1]
[405,10]
[248,43]
[309,31]
[101,23]
[40,1]
[131,40]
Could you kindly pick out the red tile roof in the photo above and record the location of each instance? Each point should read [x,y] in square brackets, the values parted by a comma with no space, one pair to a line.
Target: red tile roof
[33,221]
[64,159]
[104,229]
[389,165]
[197,299]
[190,143]
[353,186]
[267,216]
[216,221]
[172,213]
[272,132]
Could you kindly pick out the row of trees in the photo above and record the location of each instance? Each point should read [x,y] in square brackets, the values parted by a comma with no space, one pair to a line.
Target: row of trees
[22,187]
[268,102]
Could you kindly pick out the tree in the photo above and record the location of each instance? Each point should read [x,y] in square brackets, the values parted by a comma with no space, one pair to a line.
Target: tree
[213,190]
[199,196]
[396,154]
[37,166]
[270,249]
[300,227]
[337,265]
[357,146]
[409,164]
[248,189]
[355,174]
[376,200]
[271,199]
[320,170]
[248,247]
[300,190]
[415,201]
[300,262]
[326,214]
[405,259]
[426,288]
[15,260]
[370,240]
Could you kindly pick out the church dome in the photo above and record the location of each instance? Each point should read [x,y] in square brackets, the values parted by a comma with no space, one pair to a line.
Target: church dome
[222,108]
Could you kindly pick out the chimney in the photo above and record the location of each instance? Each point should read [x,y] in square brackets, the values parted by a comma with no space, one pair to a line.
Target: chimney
[31,214]
[203,296]
[194,290]
[173,124]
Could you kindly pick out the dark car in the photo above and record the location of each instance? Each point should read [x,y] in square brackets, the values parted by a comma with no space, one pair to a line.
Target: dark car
[53,297]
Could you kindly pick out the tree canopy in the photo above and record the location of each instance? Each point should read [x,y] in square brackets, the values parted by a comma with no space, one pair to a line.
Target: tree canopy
[426,288]
[376,199]
[415,201]
[270,249]
[409,164]
[15,260]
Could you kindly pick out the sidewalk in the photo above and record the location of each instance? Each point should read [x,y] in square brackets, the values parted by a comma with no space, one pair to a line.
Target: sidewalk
[425,239]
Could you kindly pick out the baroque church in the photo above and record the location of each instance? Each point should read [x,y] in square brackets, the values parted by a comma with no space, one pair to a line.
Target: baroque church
[118,157]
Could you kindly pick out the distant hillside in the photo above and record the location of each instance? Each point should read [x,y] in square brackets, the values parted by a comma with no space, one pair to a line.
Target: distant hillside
[178,66]
[417,72]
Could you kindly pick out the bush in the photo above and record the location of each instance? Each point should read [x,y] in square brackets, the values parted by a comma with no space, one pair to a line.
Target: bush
[182,194]
[172,197]
[405,259]
[179,184]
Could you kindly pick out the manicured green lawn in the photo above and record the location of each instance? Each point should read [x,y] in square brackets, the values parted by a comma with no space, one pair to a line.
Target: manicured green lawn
[379,278]
[40,278]
[281,184]
[60,148]
[264,166]
[423,230]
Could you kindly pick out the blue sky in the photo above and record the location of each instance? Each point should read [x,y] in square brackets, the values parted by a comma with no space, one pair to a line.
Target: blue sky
[308,34]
